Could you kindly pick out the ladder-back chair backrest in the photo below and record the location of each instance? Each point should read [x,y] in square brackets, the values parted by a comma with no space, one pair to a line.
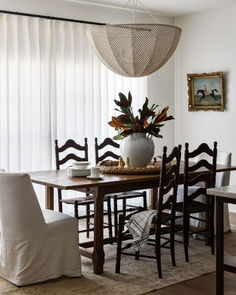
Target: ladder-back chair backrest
[70,143]
[169,178]
[98,147]
[208,175]
[223,158]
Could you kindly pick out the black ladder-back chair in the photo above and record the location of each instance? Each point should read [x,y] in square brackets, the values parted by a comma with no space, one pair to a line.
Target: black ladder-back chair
[190,205]
[164,221]
[86,201]
[121,196]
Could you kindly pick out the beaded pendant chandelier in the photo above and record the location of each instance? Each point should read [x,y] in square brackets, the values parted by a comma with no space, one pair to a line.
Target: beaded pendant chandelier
[134,50]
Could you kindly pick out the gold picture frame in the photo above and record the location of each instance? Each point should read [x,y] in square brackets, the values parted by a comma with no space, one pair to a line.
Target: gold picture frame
[205,92]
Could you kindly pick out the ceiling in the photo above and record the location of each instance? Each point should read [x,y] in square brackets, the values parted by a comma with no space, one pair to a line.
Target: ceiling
[166,7]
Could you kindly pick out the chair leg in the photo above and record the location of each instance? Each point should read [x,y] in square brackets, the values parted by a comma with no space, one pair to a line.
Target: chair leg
[119,243]
[158,253]
[172,241]
[59,200]
[76,212]
[212,202]
[109,216]
[87,219]
[145,200]
[186,235]
[124,207]
[207,223]
[137,255]
[115,215]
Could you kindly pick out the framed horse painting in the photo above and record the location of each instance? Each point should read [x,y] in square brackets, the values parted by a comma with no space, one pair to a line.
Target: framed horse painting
[205,92]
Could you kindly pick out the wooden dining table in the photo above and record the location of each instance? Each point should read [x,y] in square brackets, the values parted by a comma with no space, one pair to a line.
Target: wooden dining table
[109,184]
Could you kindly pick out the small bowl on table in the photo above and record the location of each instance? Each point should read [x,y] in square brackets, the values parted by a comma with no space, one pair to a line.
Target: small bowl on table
[81,164]
[79,169]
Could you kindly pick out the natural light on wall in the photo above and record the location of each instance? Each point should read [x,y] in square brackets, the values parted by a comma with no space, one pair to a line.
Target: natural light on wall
[52,85]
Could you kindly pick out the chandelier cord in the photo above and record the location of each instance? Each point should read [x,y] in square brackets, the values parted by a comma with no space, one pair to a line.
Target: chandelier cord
[134,5]
[122,8]
[148,11]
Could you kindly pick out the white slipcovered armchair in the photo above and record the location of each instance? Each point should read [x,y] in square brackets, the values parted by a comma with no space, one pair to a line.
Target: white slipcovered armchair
[35,245]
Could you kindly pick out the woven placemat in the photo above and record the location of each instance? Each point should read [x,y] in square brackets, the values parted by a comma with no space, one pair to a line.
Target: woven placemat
[111,167]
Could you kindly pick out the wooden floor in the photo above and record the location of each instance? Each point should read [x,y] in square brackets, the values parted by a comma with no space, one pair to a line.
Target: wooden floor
[204,285]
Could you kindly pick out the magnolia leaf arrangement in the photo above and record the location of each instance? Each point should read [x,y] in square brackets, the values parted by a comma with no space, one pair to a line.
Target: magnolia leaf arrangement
[147,121]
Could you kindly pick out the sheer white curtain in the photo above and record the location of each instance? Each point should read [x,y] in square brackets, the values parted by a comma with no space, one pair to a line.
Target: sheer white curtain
[52,85]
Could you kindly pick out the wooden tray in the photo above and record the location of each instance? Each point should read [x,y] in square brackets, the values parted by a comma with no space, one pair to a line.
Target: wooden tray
[111,167]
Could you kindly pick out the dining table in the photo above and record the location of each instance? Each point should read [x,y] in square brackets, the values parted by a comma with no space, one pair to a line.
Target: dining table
[109,184]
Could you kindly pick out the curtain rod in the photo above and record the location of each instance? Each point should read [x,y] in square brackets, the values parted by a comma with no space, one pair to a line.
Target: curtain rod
[51,17]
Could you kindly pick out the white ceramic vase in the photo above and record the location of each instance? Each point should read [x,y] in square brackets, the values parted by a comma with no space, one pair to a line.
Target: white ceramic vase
[138,148]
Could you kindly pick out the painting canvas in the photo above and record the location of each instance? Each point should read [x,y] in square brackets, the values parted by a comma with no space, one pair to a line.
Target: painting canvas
[206,91]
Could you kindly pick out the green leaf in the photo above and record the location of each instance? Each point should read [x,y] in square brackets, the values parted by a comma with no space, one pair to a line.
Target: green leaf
[158,125]
[118,103]
[154,106]
[128,112]
[129,125]
[118,110]
[157,135]
[124,100]
[129,98]
[118,137]
[145,104]
[124,119]
[169,118]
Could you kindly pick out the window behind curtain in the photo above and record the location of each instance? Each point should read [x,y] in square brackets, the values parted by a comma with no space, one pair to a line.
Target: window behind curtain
[52,85]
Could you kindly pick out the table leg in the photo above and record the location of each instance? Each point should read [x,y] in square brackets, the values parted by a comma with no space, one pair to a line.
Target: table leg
[219,246]
[153,198]
[49,200]
[98,253]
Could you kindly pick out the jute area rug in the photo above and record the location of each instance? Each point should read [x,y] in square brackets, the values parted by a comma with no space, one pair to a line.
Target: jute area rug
[137,277]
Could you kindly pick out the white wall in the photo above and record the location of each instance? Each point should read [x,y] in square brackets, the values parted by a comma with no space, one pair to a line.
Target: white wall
[207,44]
[161,91]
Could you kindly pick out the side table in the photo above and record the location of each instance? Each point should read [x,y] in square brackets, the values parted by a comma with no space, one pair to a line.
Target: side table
[224,194]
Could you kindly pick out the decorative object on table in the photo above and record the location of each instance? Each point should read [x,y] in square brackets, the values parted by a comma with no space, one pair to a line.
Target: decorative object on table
[106,168]
[121,163]
[137,147]
[127,165]
[155,160]
[134,50]
[205,92]
[111,163]
[136,131]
